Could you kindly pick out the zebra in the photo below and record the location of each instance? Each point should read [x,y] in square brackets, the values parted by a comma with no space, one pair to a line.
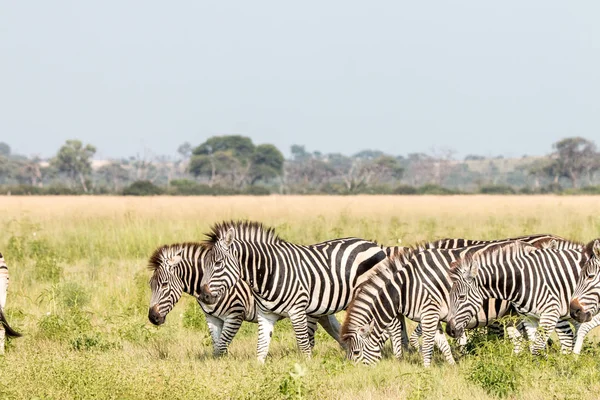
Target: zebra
[302,282]
[417,286]
[178,268]
[584,303]
[538,282]
[5,328]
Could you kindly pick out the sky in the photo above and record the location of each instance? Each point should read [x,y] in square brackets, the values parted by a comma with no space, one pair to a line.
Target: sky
[142,77]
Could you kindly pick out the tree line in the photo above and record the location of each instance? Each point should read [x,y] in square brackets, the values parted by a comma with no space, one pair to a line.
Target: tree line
[234,164]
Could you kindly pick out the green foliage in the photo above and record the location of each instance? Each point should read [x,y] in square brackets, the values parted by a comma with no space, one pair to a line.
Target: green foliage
[495,369]
[256,191]
[496,189]
[142,188]
[292,386]
[435,189]
[92,342]
[73,295]
[405,189]
[193,317]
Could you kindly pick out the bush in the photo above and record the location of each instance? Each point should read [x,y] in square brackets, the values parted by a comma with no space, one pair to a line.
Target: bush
[193,317]
[496,189]
[257,191]
[405,189]
[435,189]
[142,188]
[590,190]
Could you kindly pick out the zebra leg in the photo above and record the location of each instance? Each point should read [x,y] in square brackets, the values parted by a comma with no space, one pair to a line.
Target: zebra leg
[547,325]
[414,337]
[299,323]
[311,325]
[565,336]
[397,332]
[515,337]
[582,331]
[442,343]
[215,325]
[266,322]
[331,326]
[429,326]
[231,326]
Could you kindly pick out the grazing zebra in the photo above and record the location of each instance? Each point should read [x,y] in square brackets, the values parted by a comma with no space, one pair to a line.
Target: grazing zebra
[296,281]
[178,268]
[5,328]
[417,286]
[538,282]
[584,303]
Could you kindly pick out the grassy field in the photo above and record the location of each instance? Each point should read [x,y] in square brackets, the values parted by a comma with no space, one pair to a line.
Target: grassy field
[79,293]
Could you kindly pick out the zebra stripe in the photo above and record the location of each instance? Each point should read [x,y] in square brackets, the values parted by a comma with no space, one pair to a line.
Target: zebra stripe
[179,268]
[416,286]
[5,328]
[539,283]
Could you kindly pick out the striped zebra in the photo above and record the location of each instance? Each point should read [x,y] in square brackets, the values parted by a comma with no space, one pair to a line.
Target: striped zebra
[538,282]
[584,303]
[178,268]
[5,329]
[417,286]
[302,282]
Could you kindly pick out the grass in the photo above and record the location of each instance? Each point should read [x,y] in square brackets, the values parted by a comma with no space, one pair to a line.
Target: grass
[79,294]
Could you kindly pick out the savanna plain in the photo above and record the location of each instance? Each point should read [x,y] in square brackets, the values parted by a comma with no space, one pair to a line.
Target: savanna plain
[79,294]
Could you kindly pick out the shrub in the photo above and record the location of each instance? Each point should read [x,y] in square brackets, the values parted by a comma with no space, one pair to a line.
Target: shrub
[257,191]
[193,317]
[405,189]
[495,369]
[73,295]
[435,189]
[496,189]
[142,188]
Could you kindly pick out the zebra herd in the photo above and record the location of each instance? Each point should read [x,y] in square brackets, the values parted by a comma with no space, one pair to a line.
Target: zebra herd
[245,272]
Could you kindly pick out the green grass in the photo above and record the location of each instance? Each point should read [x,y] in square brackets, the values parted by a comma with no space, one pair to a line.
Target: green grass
[79,293]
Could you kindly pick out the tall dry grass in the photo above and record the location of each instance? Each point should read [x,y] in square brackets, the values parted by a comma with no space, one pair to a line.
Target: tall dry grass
[79,293]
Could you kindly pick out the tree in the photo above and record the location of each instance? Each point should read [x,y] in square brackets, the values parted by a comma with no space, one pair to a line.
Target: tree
[185,150]
[576,156]
[267,163]
[225,158]
[114,174]
[74,160]
[4,149]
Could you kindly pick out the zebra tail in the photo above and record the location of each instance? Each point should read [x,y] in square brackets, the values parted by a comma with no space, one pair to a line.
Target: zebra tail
[9,331]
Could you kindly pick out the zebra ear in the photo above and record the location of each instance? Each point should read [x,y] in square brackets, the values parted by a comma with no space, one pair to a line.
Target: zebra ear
[552,244]
[173,261]
[229,237]
[596,248]
[471,270]
[366,330]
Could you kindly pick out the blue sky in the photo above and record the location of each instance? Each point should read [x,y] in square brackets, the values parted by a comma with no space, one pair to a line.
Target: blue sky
[478,77]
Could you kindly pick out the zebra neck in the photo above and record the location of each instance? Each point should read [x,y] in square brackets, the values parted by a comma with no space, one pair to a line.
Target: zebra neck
[500,283]
[190,275]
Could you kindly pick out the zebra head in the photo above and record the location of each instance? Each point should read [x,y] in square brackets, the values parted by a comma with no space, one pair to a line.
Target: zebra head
[465,296]
[584,303]
[361,345]
[221,269]
[165,283]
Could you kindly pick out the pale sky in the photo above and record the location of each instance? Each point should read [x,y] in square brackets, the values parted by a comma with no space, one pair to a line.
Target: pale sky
[481,77]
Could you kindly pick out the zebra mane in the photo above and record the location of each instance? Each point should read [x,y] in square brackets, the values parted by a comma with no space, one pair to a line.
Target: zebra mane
[248,231]
[497,251]
[164,252]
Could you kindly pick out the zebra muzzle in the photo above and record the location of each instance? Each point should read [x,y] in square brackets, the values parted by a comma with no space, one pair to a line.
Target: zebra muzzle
[206,296]
[154,316]
[578,312]
[452,331]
